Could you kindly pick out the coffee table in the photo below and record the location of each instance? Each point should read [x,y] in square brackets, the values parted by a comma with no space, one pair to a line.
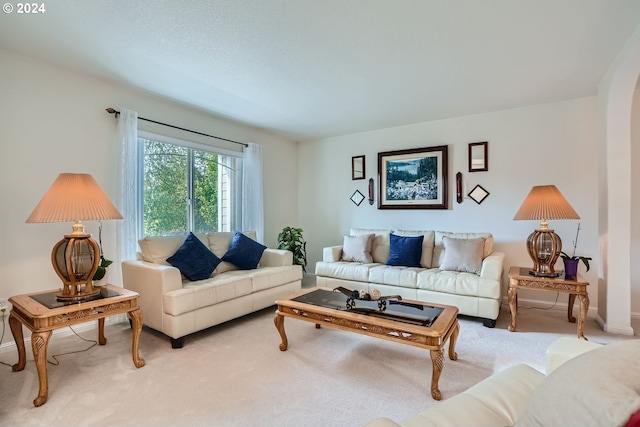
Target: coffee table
[42,313]
[416,323]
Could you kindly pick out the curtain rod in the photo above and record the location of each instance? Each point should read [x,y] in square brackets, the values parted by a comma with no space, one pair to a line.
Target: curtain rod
[112,111]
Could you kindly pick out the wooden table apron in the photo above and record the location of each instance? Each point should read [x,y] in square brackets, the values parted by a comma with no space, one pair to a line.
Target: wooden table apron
[41,321]
[445,328]
[575,288]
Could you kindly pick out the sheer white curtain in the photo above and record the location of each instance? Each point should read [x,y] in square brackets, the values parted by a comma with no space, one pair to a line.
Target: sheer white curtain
[128,233]
[252,191]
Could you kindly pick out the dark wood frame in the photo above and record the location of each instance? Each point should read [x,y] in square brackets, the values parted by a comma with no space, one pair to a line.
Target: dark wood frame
[355,176]
[440,202]
[478,200]
[485,146]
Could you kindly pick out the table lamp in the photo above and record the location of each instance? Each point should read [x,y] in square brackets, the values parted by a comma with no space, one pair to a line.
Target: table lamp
[544,202]
[75,197]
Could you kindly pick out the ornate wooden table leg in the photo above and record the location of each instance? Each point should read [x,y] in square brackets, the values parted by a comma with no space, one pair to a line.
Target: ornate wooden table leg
[136,317]
[437,360]
[16,330]
[279,322]
[452,342]
[39,343]
[570,316]
[584,308]
[101,338]
[513,306]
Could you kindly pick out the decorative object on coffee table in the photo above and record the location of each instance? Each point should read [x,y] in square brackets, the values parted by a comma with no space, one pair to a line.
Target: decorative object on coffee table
[364,295]
[76,258]
[544,202]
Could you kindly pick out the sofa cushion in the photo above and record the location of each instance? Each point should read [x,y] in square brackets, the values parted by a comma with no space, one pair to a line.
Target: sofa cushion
[219,244]
[244,252]
[427,243]
[357,248]
[463,255]
[597,388]
[405,250]
[456,283]
[438,248]
[204,293]
[194,260]
[404,277]
[380,245]
[157,249]
[344,270]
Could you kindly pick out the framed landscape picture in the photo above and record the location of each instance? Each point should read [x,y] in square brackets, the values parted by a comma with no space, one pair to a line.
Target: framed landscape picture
[413,179]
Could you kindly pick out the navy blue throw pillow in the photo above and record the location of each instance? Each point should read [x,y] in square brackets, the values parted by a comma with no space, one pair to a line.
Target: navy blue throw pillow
[244,252]
[405,250]
[194,260]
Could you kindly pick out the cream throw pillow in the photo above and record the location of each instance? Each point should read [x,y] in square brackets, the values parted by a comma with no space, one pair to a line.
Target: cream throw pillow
[463,255]
[357,248]
[597,388]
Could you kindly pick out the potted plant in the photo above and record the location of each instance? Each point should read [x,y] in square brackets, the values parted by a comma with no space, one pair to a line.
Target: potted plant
[571,261]
[104,263]
[291,239]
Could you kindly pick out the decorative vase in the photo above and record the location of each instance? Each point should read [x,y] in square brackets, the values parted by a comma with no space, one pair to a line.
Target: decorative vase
[571,269]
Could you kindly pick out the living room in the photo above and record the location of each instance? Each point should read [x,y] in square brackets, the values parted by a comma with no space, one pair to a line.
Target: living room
[54,120]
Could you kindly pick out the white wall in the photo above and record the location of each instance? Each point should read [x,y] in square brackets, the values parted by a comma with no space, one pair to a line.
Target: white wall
[544,144]
[53,120]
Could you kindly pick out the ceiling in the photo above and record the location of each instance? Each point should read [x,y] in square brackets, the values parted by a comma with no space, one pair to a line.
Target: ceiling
[310,69]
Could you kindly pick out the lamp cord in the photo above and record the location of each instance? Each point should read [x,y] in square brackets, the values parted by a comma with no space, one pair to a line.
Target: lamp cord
[55,361]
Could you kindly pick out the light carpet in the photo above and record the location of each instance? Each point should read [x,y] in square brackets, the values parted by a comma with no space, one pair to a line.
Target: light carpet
[235,375]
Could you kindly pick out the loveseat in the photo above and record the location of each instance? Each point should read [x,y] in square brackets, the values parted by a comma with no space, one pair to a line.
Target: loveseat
[598,387]
[459,269]
[190,283]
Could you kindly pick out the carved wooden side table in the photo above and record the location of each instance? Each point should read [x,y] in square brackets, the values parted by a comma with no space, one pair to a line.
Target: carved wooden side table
[42,313]
[519,278]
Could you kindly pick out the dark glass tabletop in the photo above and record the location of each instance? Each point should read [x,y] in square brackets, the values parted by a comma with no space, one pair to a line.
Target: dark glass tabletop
[49,299]
[417,314]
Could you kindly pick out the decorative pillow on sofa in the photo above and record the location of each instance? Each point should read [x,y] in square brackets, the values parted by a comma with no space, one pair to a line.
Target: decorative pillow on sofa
[464,255]
[405,250]
[244,252]
[597,388]
[357,248]
[194,260]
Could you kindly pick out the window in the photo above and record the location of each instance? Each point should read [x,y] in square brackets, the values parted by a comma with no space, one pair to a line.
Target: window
[187,187]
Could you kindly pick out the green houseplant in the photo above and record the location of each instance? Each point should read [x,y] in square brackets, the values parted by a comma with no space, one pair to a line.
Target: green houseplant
[291,239]
[571,261]
[104,263]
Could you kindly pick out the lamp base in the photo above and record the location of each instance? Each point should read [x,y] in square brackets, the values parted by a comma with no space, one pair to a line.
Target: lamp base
[79,297]
[544,274]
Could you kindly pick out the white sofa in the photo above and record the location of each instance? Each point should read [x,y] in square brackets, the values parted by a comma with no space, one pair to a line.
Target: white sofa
[178,307]
[477,293]
[599,387]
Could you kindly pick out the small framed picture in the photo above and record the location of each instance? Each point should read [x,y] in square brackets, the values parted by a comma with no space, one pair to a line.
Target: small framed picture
[478,156]
[357,167]
[478,194]
[357,198]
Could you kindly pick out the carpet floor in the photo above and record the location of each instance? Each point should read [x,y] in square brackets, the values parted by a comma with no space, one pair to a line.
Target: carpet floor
[235,375]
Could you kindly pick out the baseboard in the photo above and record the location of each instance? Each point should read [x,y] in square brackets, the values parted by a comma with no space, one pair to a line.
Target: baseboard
[10,345]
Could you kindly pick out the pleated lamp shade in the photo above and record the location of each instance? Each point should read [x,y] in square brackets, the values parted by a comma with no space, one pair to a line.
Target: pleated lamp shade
[542,203]
[74,197]
[545,202]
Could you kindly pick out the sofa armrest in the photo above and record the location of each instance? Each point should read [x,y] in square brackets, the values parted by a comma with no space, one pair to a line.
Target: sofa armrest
[276,258]
[151,281]
[566,348]
[493,266]
[332,253]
